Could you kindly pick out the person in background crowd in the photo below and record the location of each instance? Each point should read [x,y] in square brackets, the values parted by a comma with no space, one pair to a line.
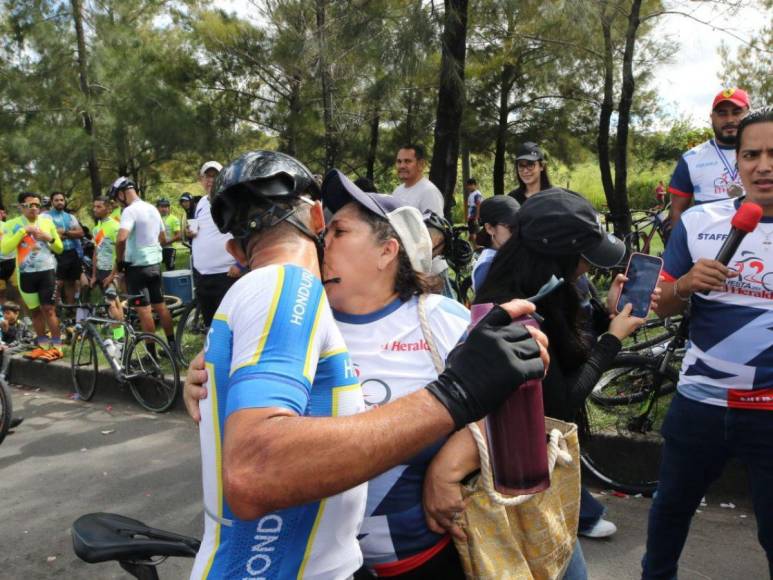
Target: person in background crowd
[498,217]
[532,172]
[724,402]
[7,267]
[9,331]
[172,232]
[415,189]
[473,201]
[214,269]
[68,263]
[660,194]
[105,237]
[708,171]
[188,203]
[36,242]
[441,234]
[138,254]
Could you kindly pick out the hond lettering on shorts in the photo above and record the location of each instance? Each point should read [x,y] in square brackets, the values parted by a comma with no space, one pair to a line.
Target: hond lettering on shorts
[268,530]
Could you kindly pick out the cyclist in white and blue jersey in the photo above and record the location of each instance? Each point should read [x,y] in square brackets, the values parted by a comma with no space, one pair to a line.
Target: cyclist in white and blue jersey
[282,460]
[708,172]
[724,404]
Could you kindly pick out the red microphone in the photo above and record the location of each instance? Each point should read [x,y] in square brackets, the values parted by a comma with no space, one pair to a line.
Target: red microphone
[744,222]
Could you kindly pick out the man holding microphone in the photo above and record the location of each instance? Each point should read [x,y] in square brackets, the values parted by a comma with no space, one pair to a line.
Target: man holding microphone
[724,404]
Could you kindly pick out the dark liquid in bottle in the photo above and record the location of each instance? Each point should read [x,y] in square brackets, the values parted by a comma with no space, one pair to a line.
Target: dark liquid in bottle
[517,442]
[516,434]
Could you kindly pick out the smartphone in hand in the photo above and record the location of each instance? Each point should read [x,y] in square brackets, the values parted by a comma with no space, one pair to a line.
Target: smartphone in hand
[643,273]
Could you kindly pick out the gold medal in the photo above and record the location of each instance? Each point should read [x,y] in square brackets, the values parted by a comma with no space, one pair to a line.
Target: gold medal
[734,190]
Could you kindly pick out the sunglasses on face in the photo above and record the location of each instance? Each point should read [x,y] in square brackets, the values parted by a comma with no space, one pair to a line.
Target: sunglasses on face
[526,164]
[31,205]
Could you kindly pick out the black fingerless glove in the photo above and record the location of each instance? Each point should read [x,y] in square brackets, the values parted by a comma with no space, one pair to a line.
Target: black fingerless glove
[497,358]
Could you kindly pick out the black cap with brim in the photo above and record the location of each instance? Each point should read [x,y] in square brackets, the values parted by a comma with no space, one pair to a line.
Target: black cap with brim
[559,222]
[610,252]
[529,152]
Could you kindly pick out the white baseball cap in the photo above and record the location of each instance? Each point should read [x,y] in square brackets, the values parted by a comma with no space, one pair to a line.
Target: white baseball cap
[210,165]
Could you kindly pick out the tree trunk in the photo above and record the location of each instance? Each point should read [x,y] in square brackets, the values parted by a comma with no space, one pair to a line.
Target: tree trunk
[409,118]
[331,145]
[375,121]
[605,114]
[500,151]
[292,125]
[88,122]
[622,219]
[450,101]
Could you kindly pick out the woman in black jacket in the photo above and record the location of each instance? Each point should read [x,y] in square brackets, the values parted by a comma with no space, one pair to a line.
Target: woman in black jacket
[558,234]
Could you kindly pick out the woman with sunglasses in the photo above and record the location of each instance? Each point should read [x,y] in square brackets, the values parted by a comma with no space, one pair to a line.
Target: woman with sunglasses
[532,172]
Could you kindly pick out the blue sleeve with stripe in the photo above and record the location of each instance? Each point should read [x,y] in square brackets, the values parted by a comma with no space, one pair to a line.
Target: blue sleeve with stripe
[680,180]
[677,260]
[280,349]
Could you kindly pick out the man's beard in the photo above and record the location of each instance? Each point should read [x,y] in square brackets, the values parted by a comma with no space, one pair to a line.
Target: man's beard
[724,139]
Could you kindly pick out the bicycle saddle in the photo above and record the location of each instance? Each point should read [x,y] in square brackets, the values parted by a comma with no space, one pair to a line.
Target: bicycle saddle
[103,537]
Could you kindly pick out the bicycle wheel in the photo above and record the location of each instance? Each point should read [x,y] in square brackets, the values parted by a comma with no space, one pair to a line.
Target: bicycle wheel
[629,380]
[5,414]
[84,365]
[153,376]
[621,441]
[653,332]
[190,334]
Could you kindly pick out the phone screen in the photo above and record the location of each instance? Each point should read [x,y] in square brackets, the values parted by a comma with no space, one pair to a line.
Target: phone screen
[643,273]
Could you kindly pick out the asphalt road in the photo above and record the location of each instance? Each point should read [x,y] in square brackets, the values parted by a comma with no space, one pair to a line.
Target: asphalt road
[71,458]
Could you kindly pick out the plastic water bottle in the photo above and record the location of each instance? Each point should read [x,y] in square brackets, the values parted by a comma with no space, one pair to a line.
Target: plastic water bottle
[516,433]
[111,348]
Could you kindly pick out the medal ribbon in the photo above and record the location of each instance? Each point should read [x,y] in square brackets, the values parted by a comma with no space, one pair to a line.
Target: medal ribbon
[733,172]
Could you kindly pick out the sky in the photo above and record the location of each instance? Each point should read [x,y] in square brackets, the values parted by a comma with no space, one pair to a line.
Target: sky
[691,80]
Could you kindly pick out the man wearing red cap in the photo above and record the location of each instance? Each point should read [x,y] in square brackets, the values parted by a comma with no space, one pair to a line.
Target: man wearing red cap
[708,171]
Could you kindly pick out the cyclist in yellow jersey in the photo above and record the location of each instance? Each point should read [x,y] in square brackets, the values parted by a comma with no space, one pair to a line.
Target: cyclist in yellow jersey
[35,240]
[173,230]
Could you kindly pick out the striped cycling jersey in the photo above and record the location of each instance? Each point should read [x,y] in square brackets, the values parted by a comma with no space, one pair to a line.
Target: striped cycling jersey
[31,255]
[105,237]
[729,359]
[706,173]
[274,343]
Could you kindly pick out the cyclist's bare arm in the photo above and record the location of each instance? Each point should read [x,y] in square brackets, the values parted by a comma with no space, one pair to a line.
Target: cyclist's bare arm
[679,204]
[273,459]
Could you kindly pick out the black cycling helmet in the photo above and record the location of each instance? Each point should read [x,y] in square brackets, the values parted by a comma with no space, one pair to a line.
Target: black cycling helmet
[461,253]
[162,202]
[266,175]
[433,220]
[119,185]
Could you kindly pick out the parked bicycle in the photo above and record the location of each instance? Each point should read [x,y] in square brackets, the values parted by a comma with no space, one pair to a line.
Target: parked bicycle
[141,360]
[624,413]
